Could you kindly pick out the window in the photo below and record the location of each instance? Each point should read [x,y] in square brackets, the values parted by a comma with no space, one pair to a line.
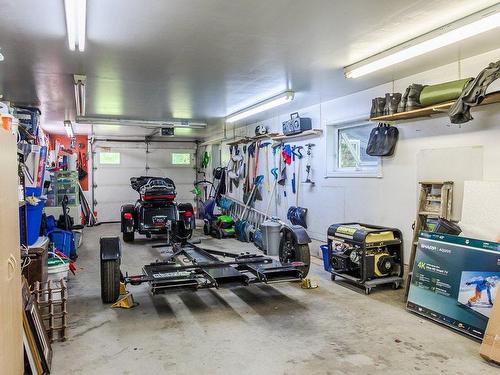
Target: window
[347,151]
[179,158]
[109,157]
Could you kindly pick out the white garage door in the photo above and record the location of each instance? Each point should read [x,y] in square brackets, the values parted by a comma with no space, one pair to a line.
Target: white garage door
[116,162]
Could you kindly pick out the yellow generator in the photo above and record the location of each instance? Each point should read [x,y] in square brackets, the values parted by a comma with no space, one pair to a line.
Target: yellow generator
[366,255]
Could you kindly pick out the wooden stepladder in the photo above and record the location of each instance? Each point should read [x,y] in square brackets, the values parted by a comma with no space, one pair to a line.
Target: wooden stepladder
[434,202]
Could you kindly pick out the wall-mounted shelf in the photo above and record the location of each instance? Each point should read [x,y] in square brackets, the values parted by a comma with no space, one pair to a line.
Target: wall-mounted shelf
[242,140]
[276,137]
[442,108]
[304,134]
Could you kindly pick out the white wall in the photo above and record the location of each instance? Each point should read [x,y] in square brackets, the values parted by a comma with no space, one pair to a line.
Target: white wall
[390,200]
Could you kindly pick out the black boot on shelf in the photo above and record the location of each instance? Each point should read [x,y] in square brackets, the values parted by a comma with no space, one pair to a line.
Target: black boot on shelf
[414,97]
[404,100]
[394,103]
[391,103]
[377,107]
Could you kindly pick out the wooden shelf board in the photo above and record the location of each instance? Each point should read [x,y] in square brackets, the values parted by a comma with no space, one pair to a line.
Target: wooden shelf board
[252,139]
[491,98]
[238,141]
[276,137]
[307,133]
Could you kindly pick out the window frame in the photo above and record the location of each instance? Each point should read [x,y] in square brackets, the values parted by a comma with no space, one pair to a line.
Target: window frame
[110,152]
[183,164]
[333,169]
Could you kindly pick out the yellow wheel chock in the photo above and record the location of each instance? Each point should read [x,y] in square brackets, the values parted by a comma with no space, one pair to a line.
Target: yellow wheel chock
[308,284]
[126,299]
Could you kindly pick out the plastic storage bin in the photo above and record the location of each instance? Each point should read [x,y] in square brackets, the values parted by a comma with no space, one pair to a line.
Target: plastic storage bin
[33,221]
[29,118]
[63,241]
[66,183]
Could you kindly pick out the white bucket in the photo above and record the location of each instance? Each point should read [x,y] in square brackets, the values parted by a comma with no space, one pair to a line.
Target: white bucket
[58,272]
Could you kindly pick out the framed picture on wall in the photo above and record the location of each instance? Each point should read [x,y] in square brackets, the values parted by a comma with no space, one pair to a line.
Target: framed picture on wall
[37,328]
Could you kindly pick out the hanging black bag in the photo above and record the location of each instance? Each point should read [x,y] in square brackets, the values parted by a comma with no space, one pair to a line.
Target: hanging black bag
[382,140]
[82,173]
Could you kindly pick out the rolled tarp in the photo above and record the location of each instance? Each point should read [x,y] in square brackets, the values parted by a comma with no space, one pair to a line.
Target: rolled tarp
[443,92]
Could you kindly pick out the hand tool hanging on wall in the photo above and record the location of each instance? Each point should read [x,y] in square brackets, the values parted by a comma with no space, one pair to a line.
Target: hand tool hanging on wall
[230,167]
[274,173]
[264,145]
[308,164]
[258,192]
[250,152]
[296,154]
[235,168]
[296,214]
[281,172]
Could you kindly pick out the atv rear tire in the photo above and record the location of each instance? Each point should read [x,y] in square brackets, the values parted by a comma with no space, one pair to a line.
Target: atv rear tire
[110,280]
[128,237]
[291,252]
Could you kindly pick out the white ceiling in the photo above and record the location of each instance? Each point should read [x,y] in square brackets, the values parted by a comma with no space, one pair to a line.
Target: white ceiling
[199,59]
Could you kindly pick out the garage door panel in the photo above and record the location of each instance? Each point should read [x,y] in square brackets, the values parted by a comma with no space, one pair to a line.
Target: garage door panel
[163,158]
[112,181]
[116,193]
[129,158]
[106,176]
[178,175]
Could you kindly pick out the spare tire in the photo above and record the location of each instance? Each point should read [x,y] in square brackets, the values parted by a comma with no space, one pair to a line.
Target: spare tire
[291,252]
[110,280]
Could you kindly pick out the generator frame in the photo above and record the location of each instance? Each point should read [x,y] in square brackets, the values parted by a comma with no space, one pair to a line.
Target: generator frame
[358,240]
[192,267]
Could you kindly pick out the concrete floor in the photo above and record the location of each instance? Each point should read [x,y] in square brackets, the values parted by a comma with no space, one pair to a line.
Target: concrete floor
[279,329]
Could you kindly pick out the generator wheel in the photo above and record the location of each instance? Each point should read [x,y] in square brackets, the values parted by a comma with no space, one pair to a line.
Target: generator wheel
[291,252]
[110,280]
[128,237]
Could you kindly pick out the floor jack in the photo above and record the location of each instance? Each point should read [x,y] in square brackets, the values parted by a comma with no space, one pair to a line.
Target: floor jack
[126,299]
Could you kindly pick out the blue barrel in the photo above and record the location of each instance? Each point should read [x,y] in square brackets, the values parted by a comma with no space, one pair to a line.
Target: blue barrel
[33,221]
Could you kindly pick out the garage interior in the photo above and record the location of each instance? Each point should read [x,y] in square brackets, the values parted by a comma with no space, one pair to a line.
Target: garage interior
[241,186]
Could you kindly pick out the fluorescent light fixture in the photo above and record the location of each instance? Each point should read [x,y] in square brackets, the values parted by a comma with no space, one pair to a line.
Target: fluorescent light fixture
[76,23]
[80,94]
[68,127]
[141,123]
[275,101]
[478,23]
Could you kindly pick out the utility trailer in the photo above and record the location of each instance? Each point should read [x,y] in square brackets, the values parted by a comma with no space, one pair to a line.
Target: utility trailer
[191,267]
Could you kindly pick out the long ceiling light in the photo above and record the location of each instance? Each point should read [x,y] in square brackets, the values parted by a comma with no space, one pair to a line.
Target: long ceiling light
[478,23]
[76,22]
[275,101]
[68,127]
[141,123]
[80,94]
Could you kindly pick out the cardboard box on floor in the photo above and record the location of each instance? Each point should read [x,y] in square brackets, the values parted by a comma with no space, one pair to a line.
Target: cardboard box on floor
[490,348]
